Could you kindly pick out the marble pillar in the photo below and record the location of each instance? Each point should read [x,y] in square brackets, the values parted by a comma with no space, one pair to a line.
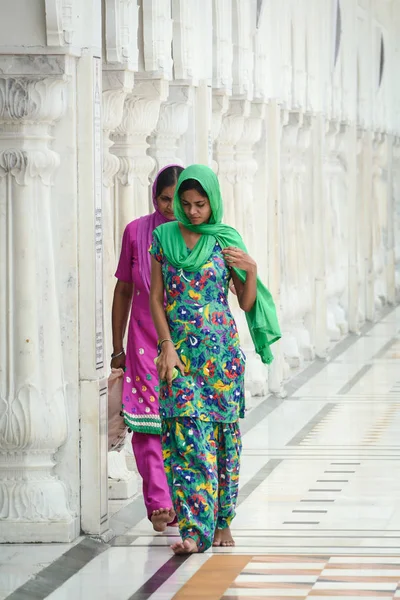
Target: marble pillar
[271,184]
[353,231]
[247,214]
[34,500]
[230,132]
[172,124]
[334,162]
[117,84]
[132,186]
[320,333]
[367,225]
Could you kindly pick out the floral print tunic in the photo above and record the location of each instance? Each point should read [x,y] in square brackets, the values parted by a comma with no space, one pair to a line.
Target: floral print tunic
[207,341]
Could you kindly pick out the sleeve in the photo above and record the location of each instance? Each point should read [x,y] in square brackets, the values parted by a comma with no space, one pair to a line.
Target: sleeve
[126,258]
[156,249]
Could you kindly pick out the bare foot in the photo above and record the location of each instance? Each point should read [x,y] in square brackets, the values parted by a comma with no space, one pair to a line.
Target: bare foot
[161,517]
[189,546]
[173,522]
[223,537]
[172,516]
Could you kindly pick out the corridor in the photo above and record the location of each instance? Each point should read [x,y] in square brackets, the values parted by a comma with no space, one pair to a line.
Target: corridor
[319,508]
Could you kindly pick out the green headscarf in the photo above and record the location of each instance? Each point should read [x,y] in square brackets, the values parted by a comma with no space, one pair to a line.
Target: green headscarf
[262,319]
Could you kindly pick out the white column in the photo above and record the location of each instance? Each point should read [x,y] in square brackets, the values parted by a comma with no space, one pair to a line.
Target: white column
[290,297]
[302,210]
[366,217]
[131,200]
[34,501]
[141,113]
[116,86]
[247,211]
[172,124]
[353,231]
[230,133]
[278,369]
[390,246]
[204,124]
[92,359]
[319,240]
[396,211]
[336,229]
[220,106]
[296,252]
[157,36]
[246,168]
[379,217]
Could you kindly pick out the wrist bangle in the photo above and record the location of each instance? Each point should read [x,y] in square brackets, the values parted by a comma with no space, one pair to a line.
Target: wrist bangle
[119,354]
[160,343]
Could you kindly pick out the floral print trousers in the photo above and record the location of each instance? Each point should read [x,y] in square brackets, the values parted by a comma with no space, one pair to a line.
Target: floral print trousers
[202,462]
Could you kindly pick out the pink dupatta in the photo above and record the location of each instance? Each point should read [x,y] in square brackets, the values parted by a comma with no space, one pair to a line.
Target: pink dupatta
[146,226]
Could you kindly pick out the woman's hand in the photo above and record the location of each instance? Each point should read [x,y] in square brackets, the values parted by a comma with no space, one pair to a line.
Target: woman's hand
[119,361]
[239,259]
[167,361]
[246,290]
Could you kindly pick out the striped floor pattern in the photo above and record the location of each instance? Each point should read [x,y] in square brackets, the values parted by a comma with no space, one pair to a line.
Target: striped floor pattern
[317,577]
[299,577]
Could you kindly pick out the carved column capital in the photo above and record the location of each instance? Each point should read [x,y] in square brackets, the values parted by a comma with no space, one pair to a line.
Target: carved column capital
[27,165]
[220,106]
[172,124]
[233,123]
[292,124]
[140,117]
[116,86]
[31,100]
[139,120]
[28,106]
[251,134]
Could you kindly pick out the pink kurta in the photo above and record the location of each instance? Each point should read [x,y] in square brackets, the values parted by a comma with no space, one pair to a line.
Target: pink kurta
[140,392]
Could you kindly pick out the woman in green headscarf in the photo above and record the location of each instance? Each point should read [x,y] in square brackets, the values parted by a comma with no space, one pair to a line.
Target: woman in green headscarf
[200,363]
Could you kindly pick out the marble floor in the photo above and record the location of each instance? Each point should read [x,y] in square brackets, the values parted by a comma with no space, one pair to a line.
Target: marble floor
[319,506]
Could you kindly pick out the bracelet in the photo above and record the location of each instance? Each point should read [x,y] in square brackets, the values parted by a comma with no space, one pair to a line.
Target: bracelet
[160,343]
[119,354]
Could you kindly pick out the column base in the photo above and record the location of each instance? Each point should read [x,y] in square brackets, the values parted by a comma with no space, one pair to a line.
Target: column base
[23,532]
[122,489]
[122,483]
[256,374]
[105,537]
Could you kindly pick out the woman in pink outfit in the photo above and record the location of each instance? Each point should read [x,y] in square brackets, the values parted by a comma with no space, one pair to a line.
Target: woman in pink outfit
[140,391]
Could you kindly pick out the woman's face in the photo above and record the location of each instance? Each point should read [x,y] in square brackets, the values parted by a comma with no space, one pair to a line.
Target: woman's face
[197,208]
[165,202]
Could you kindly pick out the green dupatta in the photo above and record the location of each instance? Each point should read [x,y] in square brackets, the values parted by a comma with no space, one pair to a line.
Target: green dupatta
[262,319]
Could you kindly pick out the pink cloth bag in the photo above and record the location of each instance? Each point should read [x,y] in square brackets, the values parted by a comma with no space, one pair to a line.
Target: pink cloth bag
[117,429]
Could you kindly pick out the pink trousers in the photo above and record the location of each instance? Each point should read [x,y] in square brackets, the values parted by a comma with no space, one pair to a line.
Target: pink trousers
[150,464]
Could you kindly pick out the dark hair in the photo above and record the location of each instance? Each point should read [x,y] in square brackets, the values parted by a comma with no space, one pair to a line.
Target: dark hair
[192,184]
[167,178]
